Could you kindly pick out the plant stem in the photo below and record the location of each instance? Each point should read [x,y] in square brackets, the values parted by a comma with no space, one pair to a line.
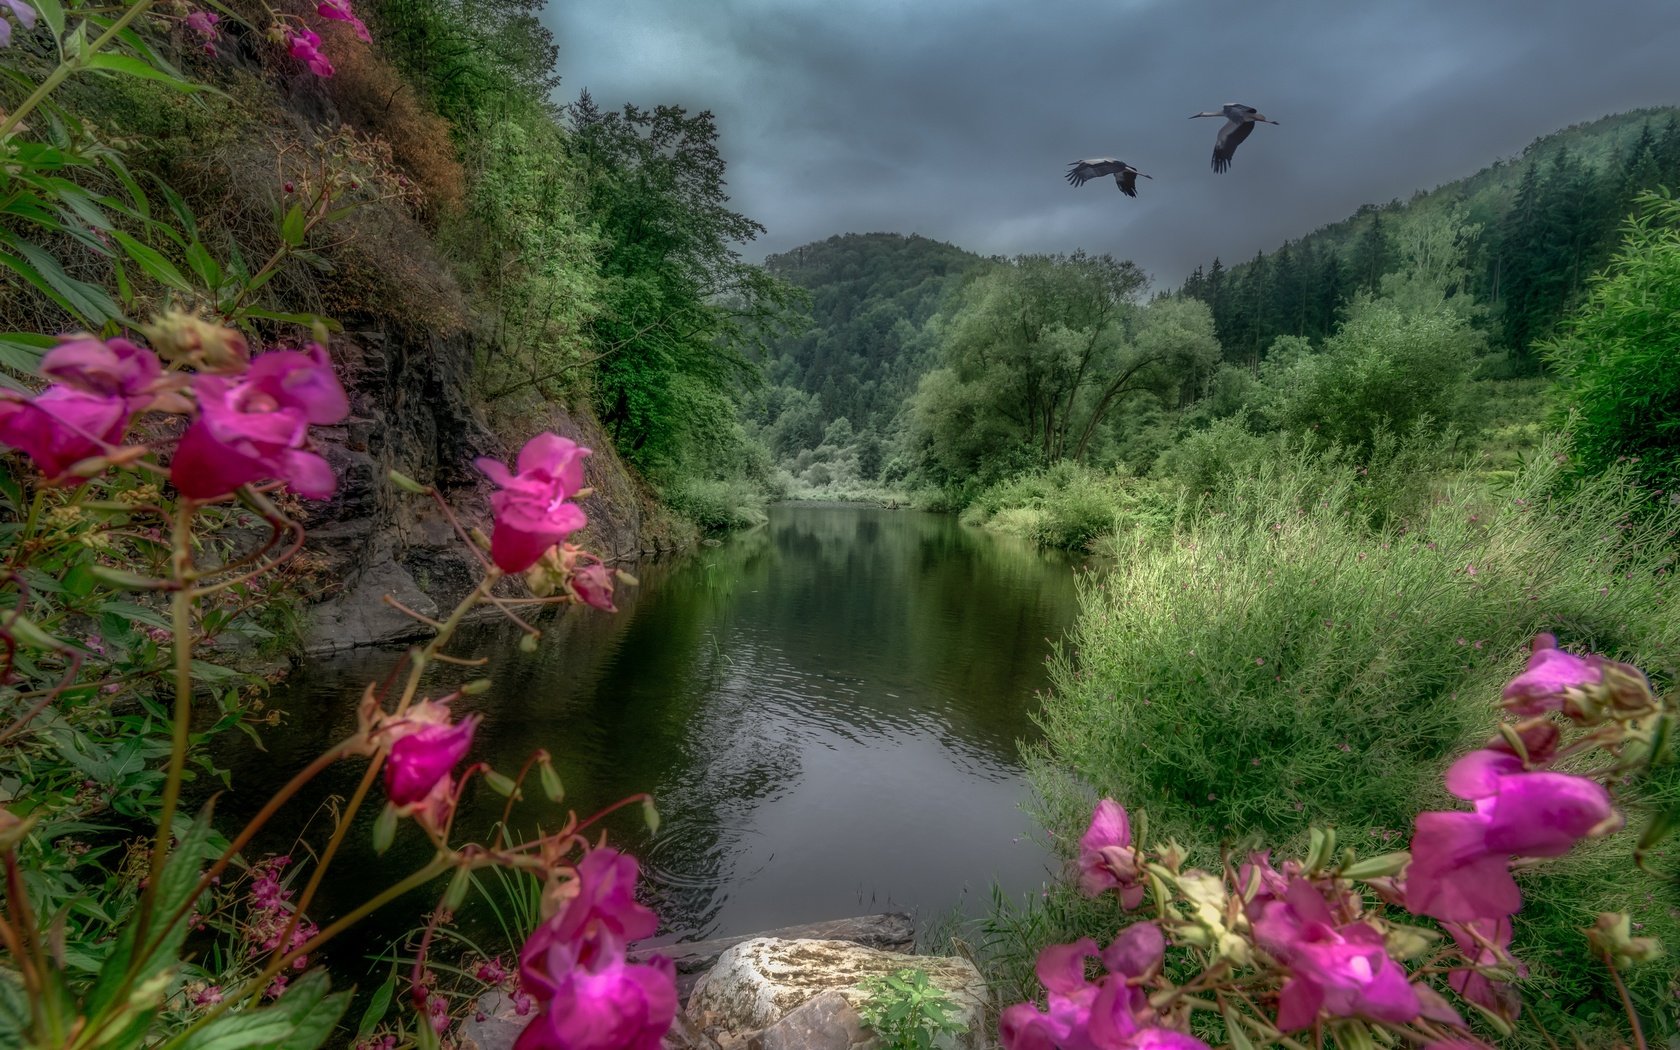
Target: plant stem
[180,614]
[67,67]
[420,659]
[1627,1003]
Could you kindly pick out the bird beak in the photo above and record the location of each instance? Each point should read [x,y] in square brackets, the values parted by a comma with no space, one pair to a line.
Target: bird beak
[1146,176]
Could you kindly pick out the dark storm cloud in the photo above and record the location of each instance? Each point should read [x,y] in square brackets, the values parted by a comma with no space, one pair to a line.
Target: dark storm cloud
[956,119]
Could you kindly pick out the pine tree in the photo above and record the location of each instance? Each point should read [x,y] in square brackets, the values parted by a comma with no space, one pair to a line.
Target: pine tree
[1373,255]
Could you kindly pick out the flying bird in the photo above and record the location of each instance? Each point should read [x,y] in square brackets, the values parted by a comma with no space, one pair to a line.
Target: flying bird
[1239,122]
[1125,176]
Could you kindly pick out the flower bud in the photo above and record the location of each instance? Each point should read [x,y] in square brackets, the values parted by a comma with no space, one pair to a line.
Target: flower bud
[180,336]
[1612,936]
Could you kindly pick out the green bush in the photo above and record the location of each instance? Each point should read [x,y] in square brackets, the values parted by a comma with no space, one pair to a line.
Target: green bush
[1066,506]
[1620,372]
[1273,663]
[717,506]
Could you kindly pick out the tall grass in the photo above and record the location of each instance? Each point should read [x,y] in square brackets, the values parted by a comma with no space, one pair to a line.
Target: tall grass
[1273,662]
[1066,506]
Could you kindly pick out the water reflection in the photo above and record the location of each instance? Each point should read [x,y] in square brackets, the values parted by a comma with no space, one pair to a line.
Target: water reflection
[827,710]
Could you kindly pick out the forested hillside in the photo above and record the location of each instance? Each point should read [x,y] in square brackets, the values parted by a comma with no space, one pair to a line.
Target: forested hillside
[1537,226]
[862,354]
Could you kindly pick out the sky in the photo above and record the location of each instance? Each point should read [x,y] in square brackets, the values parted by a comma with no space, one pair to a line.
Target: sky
[956,120]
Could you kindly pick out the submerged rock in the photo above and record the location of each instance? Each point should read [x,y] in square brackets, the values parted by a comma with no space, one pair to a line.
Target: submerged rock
[759,982]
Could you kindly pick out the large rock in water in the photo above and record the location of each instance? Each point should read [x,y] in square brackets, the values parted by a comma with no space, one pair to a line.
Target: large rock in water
[758,982]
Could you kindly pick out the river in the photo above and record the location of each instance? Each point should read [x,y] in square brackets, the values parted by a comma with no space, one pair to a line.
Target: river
[827,709]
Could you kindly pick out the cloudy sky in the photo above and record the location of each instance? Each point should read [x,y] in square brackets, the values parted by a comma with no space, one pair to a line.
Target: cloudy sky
[955,119]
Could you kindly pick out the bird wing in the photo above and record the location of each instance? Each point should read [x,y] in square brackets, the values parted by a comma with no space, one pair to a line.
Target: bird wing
[1230,137]
[1127,181]
[1082,171]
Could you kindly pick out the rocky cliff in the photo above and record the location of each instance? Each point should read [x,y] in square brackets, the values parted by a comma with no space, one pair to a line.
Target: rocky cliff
[411,411]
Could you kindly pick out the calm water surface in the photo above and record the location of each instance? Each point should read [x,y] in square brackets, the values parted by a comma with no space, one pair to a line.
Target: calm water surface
[827,710]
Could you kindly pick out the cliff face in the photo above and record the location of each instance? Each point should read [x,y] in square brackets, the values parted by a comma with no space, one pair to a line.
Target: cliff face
[411,412]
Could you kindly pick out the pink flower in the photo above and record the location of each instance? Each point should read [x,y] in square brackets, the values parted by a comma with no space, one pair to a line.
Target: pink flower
[256,426]
[1486,943]
[593,583]
[22,12]
[1112,1014]
[60,427]
[204,24]
[1106,858]
[490,971]
[574,966]
[1341,970]
[339,11]
[531,511]
[1460,867]
[305,46]
[604,1003]
[425,747]
[113,368]
[1551,673]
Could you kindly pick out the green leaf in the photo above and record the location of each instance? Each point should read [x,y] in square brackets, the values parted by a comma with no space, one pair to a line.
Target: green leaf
[384,829]
[301,1019]
[127,581]
[91,303]
[24,630]
[111,62]
[153,262]
[291,227]
[53,14]
[174,889]
[204,265]
[376,1008]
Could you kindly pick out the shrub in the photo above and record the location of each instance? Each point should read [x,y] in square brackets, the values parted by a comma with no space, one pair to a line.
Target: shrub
[1620,374]
[717,506]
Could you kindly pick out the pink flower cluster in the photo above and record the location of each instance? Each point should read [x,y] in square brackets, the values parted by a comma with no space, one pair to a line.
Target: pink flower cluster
[1112,1013]
[204,24]
[531,509]
[251,425]
[271,912]
[1337,964]
[304,44]
[589,996]
[426,746]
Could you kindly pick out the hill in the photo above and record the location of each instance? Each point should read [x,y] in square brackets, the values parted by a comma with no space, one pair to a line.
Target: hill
[1542,222]
[871,295]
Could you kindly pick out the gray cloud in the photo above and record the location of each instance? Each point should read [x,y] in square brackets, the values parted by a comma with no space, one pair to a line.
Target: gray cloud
[955,119]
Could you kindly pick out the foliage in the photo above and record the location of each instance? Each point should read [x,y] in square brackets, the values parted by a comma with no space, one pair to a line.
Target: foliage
[1384,367]
[717,505]
[1040,354]
[907,1010]
[865,348]
[680,307]
[1620,381]
[1067,506]
[1271,662]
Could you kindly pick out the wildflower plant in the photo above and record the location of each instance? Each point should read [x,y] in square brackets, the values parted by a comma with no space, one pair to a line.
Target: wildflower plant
[229,427]
[1408,947]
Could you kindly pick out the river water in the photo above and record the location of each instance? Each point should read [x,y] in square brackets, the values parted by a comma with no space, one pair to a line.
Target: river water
[827,709]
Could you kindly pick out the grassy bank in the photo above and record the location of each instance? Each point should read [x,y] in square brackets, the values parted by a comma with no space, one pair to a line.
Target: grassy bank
[1271,661]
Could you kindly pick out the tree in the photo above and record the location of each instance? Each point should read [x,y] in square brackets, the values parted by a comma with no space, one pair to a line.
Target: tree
[680,307]
[1373,255]
[1040,353]
[1620,375]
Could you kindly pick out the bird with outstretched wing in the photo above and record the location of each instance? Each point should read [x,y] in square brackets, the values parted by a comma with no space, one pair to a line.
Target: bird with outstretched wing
[1125,176]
